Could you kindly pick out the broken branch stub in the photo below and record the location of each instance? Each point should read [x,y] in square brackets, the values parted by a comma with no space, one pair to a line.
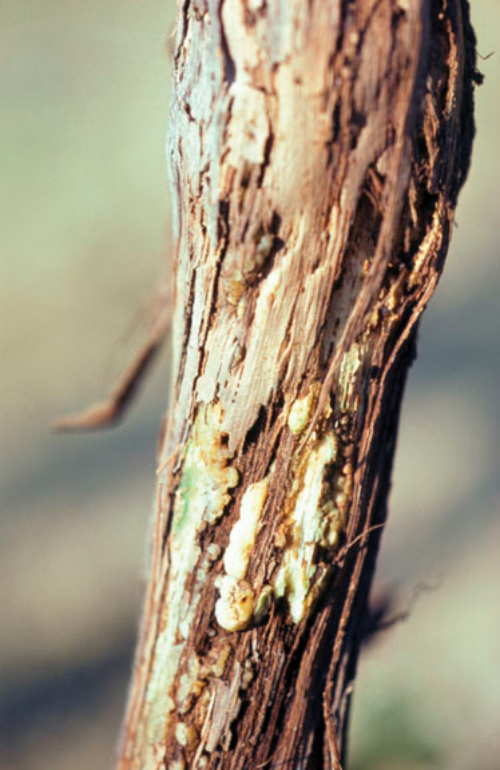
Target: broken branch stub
[317,150]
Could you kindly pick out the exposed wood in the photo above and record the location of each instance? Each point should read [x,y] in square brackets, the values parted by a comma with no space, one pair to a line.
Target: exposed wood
[317,150]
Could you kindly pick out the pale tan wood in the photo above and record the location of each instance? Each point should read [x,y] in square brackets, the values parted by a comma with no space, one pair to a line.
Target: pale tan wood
[317,150]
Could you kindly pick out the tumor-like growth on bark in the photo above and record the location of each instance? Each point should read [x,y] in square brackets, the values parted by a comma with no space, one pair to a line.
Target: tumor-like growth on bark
[317,150]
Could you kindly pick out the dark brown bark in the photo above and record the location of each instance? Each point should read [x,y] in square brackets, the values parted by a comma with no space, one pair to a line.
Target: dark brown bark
[317,151]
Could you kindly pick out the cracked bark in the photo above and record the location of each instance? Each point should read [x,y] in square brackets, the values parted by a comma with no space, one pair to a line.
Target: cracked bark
[317,150]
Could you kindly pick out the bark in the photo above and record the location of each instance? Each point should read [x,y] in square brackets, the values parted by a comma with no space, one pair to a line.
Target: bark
[317,150]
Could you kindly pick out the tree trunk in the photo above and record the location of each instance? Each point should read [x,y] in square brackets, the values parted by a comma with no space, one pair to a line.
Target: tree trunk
[317,150]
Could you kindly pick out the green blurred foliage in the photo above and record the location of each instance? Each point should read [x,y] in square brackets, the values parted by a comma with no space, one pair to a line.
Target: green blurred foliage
[396,739]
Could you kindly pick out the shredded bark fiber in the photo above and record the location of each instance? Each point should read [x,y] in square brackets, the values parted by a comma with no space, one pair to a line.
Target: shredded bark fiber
[317,150]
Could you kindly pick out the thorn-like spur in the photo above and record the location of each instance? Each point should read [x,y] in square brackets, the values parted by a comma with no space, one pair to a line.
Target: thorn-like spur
[109,412]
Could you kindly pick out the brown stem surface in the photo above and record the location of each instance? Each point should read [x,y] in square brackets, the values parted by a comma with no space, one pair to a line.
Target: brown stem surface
[317,150]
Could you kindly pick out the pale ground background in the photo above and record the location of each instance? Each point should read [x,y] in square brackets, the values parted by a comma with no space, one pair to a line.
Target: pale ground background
[85,228]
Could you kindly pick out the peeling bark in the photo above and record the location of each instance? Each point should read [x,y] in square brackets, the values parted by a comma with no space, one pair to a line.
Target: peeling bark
[317,150]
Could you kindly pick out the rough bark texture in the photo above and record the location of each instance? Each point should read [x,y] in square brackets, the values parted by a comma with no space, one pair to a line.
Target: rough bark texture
[317,149]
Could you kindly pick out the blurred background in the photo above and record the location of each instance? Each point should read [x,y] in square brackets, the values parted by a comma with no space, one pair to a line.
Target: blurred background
[84,94]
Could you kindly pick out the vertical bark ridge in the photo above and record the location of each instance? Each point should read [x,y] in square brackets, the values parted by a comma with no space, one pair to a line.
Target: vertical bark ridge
[316,151]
